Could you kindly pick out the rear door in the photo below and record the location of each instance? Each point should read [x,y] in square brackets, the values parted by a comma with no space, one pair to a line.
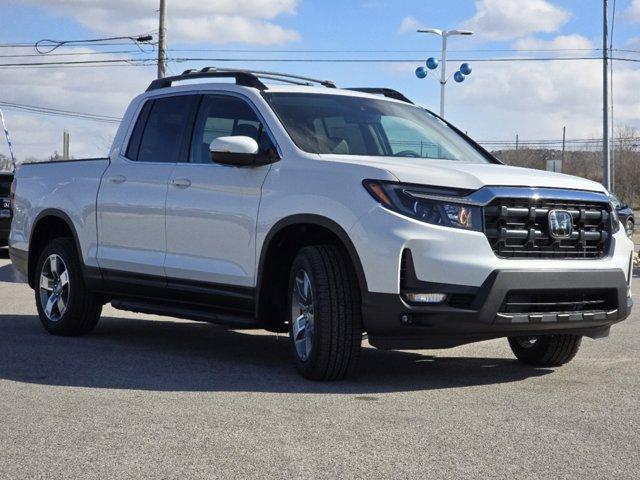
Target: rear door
[132,196]
[212,209]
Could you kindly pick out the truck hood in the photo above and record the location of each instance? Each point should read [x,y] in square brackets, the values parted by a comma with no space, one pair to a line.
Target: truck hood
[470,176]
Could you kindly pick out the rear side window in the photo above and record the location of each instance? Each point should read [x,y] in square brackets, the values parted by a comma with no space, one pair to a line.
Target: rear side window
[136,136]
[160,137]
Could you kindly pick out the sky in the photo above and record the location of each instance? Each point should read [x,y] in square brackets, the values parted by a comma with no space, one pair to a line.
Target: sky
[499,100]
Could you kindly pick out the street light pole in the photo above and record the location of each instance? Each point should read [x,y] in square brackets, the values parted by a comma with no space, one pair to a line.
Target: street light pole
[444,34]
[443,73]
[606,155]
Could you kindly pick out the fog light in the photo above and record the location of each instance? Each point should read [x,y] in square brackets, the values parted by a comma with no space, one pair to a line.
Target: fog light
[426,297]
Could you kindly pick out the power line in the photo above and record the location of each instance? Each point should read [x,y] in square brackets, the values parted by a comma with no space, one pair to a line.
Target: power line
[46,45]
[235,50]
[387,60]
[153,61]
[113,52]
[69,44]
[58,112]
[77,62]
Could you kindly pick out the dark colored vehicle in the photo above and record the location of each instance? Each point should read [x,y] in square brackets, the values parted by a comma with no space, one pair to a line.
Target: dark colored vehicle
[625,213]
[5,207]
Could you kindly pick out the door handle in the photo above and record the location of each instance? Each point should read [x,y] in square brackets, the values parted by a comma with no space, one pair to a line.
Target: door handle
[181,182]
[117,179]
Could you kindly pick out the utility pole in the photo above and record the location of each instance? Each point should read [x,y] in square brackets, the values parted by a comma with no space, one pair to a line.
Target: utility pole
[606,155]
[65,145]
[444,34]
[517,141]
[162,40]
[564,139]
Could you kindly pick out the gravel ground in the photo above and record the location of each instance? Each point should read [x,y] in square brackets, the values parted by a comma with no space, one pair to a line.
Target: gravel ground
[150,397]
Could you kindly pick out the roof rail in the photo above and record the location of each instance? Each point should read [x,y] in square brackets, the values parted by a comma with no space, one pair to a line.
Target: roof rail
[387,92]
[247,78]
[283,77]
[242,78]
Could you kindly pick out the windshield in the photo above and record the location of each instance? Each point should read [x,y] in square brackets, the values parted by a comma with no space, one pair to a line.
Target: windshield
[343,125]
[615,201]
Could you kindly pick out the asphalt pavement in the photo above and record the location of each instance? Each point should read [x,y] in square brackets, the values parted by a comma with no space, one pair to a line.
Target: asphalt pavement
[152,397]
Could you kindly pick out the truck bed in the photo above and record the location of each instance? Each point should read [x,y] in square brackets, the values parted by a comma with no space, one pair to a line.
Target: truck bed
[69,186]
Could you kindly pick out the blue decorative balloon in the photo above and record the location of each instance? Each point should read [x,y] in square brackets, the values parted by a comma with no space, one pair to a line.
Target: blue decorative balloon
[458,77]
[432,63]
[421,72]
[465,68]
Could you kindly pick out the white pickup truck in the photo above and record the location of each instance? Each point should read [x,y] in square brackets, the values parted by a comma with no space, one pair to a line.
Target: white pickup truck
[329,213]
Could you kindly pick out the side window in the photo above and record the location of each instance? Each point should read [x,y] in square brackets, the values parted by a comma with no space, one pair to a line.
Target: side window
[164,130]
[225,116]
[136,135]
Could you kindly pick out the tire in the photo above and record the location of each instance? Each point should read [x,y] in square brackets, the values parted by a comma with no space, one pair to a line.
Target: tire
[629,228]
[546,350]
[79,310]
[334,317]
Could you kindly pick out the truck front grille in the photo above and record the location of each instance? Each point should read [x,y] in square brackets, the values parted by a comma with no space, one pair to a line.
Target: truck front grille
[519,228]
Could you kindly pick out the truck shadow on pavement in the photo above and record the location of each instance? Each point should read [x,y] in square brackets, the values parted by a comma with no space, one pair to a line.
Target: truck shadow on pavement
[7,272]
[189,356]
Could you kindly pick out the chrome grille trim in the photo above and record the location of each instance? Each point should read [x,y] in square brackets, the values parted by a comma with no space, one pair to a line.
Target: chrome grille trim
[519,228]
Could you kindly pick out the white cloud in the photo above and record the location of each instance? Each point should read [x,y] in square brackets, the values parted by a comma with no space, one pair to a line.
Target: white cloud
[633,43]
[409,24]
[570,42]
[510,19]
[536,99]
[232,29]
[220,21]
[633,12]
[104,91]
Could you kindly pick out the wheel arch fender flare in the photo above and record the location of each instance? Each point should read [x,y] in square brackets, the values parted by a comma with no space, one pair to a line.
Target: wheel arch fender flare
[315,220]
[43,215]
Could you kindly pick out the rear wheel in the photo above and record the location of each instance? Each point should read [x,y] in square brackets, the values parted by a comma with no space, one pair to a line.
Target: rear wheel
[65,306]
[325,325]
[546,350]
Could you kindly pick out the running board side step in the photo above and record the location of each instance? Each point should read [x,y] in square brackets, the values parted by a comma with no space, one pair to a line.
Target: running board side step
[209,315]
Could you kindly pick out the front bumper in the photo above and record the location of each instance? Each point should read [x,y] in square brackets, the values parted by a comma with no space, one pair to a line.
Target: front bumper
[451,256]
[392,323]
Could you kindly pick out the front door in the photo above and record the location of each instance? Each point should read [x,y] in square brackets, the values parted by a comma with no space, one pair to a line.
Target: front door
[132,196]
[212,209]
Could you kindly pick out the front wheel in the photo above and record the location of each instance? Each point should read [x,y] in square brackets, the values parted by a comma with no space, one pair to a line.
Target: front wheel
[546,350]
[629,227]
[325,325]
[65,306]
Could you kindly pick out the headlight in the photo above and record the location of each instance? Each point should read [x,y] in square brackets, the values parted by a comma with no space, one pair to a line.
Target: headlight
[428,205]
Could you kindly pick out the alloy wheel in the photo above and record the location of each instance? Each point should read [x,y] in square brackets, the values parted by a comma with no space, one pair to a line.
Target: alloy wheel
[54,287]
[527,342]
[302,315]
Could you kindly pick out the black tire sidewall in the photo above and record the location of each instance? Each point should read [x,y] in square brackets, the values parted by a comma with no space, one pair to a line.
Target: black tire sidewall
[532,354]
[548,350]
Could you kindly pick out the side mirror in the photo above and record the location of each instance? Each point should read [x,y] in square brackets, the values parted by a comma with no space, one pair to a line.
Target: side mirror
[237,150]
